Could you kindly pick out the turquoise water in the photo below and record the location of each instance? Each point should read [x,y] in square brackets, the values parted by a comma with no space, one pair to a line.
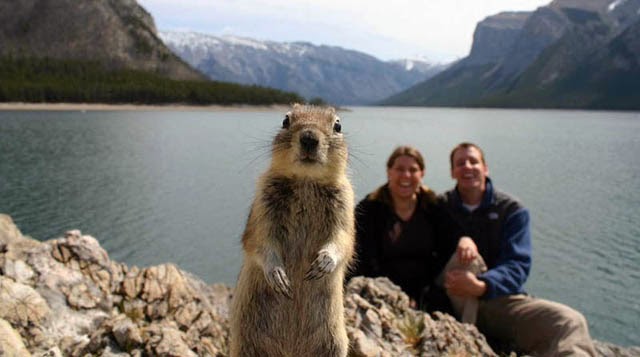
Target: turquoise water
[158,187]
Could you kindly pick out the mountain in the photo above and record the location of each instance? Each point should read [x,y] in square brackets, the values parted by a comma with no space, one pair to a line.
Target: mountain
[495,36]
[336,75]
[569,54]
[116,33]
[102,51]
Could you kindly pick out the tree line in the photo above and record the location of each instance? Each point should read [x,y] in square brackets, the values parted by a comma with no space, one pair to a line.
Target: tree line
[73,81]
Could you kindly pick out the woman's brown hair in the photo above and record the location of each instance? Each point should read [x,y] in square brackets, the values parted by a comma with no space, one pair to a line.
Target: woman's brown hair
[406,150]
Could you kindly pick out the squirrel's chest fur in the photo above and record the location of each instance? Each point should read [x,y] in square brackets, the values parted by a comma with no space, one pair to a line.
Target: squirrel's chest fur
[302,214]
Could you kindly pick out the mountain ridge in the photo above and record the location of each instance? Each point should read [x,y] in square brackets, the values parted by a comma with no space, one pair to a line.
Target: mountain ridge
[102,51]
[337,75]
[118,33]
[545,66]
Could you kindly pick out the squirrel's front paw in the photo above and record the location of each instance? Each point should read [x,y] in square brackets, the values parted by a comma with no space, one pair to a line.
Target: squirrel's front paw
[324,264]
[279,282]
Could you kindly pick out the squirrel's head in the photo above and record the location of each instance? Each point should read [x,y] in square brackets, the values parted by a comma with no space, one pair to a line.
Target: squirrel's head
[310,143]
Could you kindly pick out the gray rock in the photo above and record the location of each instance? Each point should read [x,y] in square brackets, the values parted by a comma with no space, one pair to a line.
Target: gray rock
[381,310]
[19,271]
[494,37]
[83,248]
[9,232]
[21,305]
[10,341]
[608,349]
[126,333]
[165,339]
[78,302]
[362,346]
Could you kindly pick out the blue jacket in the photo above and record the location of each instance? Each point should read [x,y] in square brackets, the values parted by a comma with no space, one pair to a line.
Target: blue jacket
[500,228]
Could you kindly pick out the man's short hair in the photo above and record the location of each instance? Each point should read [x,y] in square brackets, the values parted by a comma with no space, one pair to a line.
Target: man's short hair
[465,145]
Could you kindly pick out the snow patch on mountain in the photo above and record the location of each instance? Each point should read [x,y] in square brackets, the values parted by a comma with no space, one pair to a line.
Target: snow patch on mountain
[615,4]
[339,76]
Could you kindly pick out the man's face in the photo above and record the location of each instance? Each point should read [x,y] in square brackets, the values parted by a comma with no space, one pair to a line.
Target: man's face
[469,169]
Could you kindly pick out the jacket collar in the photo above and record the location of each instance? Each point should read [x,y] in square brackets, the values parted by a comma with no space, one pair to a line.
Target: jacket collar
[488,197]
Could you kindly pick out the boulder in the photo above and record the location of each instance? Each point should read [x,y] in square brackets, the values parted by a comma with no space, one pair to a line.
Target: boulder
[10,341]
[65,297]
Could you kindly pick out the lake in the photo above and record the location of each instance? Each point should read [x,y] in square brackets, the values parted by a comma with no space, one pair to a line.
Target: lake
[163,186]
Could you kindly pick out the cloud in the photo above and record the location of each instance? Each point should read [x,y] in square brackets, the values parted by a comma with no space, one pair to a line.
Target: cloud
[438,29]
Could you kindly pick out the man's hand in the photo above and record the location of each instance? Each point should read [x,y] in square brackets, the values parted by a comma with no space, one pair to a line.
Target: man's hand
[464,283]
[467,250]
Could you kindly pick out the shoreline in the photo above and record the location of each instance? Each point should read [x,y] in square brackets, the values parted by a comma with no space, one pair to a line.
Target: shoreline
[21,106]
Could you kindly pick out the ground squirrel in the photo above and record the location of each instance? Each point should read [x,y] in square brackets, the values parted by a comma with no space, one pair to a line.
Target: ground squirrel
[298,242]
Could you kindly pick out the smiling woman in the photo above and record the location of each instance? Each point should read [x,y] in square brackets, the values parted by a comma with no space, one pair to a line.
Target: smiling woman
[405,170]
[395,228]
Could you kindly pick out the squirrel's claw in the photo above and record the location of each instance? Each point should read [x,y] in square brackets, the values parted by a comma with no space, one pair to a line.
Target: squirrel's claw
[323,265]
[278,280]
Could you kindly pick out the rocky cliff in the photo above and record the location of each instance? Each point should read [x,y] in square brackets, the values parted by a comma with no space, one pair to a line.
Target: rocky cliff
[65,297]
[543,60]
[337,75]
[495,36]
[117,33]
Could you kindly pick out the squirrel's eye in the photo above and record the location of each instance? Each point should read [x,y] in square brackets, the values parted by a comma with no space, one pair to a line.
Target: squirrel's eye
[286,122]
[337,127]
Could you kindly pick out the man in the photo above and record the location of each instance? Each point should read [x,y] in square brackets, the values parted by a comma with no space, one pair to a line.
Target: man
[482,221]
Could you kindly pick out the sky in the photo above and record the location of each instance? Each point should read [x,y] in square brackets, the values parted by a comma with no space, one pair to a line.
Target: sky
[439,31]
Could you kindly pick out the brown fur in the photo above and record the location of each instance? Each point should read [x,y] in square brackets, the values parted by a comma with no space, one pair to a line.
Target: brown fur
[298,241]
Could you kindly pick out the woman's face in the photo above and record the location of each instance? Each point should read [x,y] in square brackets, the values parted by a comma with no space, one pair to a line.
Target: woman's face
[405,176]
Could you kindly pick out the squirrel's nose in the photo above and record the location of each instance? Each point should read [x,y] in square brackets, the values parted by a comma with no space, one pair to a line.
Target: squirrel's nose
[308,141]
